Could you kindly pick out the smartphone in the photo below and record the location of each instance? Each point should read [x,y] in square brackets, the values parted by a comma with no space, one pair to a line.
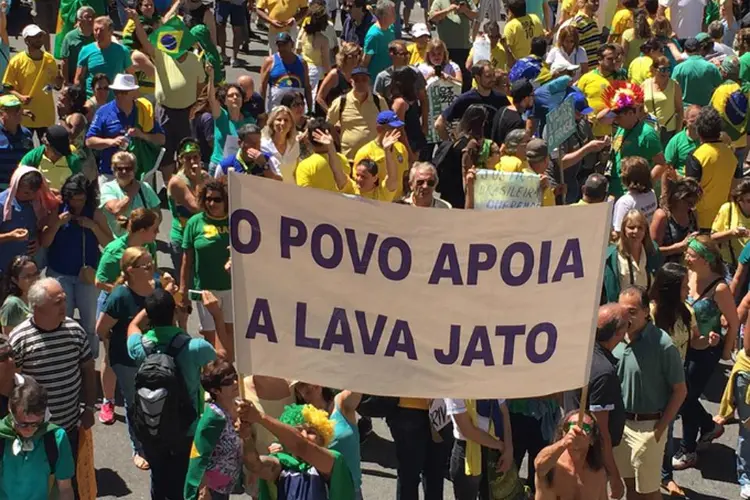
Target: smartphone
[195,295]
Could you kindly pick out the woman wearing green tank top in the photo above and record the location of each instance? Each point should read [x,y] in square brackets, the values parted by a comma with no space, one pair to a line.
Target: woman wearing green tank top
[182,192]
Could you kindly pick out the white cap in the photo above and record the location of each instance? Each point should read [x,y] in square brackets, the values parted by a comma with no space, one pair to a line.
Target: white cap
[420,29]
[561,66]
[124,82]
[31,30]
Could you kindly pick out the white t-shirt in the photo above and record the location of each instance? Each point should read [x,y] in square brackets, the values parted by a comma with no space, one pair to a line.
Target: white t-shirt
[687,16]
[457,406]
[282,164]
[720,48]
[427,70]
[643,202]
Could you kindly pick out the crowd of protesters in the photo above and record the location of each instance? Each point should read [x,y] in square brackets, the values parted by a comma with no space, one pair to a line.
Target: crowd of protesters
[138,91]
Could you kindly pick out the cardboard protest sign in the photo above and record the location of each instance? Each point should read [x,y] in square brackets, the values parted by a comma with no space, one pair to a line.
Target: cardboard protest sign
[495,190]
[561,123]
[440,94]
[382,298]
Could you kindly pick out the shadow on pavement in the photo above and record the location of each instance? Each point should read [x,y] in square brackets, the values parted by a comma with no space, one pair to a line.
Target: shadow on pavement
[717,463]
[110,483]
[380,451]
[715,387]
[378,473]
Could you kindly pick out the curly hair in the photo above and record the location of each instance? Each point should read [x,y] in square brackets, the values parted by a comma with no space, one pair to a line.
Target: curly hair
[218,185]
[302,415]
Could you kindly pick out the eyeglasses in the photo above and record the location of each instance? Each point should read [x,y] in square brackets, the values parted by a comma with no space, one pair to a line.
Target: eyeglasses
[426,182]
[214,199]
[587,428]
[122,170]
[25,425]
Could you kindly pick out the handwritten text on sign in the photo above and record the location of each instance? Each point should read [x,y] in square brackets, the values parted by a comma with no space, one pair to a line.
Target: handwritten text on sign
[387,299]
[495,190]
[440,94]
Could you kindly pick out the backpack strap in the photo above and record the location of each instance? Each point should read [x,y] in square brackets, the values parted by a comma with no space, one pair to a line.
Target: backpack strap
[177,344]
[50,448]
[376,98]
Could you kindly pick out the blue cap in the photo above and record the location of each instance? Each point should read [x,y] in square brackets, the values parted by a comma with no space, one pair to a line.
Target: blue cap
[389,118]
[360,71]
[581,104]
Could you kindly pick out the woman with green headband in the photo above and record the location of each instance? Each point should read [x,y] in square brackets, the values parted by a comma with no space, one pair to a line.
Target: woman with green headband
[182,194]
[711,299]
[632,260]
[307,469]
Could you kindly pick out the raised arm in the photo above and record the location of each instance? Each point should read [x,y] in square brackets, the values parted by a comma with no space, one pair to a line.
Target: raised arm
[391,171]
[333,158]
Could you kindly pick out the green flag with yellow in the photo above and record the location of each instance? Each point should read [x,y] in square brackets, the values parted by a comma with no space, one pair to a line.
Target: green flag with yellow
[173,38]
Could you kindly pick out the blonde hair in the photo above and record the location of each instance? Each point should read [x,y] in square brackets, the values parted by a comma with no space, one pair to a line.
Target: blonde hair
[437,43]
[347,50]
[638,217]
[662,27]
[129,258]
[568,32]
[125,157]
[268,129]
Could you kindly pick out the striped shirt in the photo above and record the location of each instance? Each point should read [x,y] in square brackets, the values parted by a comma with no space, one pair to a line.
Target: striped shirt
[589,37]
[54,359]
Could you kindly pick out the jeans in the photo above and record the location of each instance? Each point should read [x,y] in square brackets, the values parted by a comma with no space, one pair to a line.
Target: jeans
[699,366]
[741,383]
[168,469]
[419,458]
[84,298]
[667,472]
[467,487]
[527,437]
[126,380]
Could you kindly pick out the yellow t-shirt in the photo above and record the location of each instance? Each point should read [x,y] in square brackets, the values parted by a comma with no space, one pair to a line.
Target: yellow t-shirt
[515,164]
[358,123]
[634,46]
[380,193]
[520,31]
[719,98]
[640,69]
[569,8]
[717,165]
[416,55]
[30,77]
[308,50]
[177,81]
[661,103]
[593,85]
[314,171]
[281,10]
[56,173]
[414,403]
[373,151]
[729,217]
[623,20]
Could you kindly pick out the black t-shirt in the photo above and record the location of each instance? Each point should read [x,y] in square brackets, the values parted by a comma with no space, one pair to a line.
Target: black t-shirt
[506,119]
[604,392]
[492,102]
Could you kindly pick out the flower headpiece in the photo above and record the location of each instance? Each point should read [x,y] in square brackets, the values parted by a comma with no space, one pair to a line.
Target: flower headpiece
[620,95]
[299,415]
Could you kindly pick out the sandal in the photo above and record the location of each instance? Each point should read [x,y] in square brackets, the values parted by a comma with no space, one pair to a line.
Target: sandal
[140,462]
[673,489]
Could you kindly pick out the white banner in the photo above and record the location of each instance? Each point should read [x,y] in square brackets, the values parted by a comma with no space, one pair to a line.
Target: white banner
[440,94]
[496,190]
[394,300]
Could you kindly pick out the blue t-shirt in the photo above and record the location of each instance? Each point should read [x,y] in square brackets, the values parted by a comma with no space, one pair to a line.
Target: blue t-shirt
[253,108]
[13,147]
[110,61]
[232,161]
[197,354]
[26,475]
[376,46]
[223,128]
[23,216]
[66,254]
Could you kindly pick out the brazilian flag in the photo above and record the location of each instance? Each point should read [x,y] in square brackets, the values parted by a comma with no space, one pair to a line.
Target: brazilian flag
[173,38]
[66,18]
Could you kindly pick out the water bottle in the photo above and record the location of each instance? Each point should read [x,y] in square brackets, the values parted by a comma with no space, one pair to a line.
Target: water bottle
[126,144]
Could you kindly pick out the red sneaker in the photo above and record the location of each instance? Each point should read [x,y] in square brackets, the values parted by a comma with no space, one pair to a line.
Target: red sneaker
[107,413]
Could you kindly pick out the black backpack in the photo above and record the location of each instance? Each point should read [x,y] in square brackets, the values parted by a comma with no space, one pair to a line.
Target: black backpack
[50,449]
[163,412]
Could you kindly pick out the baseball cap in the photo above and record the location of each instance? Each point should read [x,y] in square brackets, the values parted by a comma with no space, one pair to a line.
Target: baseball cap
[581,104]
[360,71]
[536,150]
[58,139]
[420,29]
[562,66]
[31,30]
[10,101]
[284,37]
[702,37]
[692,45]
[731,65]
[389,118]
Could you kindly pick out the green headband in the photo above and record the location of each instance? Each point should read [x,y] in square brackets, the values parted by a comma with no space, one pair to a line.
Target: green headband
[702,250]
[189,147]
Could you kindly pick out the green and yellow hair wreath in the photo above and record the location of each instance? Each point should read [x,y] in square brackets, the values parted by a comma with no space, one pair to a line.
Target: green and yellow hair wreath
[188,146]
[299,415]
[702,251]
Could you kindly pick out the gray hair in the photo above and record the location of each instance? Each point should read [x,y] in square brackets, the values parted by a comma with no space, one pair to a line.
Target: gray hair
[83,10]
[39,293]
[382,7]
[422,166]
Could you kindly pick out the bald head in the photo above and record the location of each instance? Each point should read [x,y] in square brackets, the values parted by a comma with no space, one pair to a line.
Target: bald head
[75,123]
[247,84]
[612,320]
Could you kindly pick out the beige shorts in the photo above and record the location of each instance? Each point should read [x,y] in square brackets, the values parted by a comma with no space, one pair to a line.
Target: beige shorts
[639,455]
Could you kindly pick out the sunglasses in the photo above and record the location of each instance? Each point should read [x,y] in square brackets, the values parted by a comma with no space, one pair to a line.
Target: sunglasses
[25,425]
[587,428]
[426,182]
[214,199]
[123,170]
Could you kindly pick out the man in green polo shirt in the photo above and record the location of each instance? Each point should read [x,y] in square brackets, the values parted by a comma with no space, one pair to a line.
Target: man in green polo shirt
[652,382]
[684,142]
[54,158]
[697,77]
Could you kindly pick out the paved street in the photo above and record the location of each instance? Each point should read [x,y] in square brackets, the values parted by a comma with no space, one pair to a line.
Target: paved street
[118,478]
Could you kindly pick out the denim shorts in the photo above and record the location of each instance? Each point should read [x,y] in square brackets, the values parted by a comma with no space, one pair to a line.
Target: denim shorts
[235,14]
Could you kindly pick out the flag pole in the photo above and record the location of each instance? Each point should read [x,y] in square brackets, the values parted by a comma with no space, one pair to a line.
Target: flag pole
[583,404]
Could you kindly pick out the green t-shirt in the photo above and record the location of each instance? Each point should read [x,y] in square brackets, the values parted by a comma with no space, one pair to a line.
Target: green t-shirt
[376,46]
[209,240]
[455,28]
[642,140]
[13,311]
[678,149]
[26,475]
[180,216]
[745,68]
[223,128]
[71,47]
[647,369]
[698,79]
[109,264]
[110,61]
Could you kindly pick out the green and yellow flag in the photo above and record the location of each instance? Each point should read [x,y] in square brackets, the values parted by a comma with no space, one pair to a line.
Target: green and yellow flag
[173,38]
[66,19]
